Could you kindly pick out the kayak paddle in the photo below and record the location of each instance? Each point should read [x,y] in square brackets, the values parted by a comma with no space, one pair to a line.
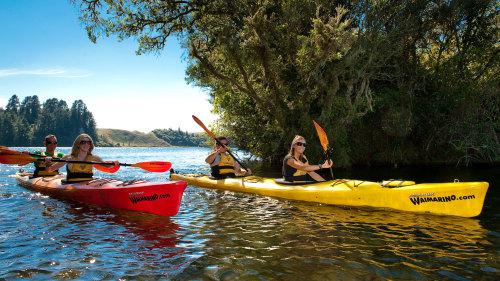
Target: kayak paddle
[213,136]
[8,156]
[153,166]
[323,138]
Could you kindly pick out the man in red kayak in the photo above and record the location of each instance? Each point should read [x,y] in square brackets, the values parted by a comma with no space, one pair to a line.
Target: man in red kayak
[222,163]
[50,144]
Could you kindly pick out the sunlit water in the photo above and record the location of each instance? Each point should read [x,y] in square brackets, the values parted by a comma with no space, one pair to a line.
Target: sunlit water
[221,235]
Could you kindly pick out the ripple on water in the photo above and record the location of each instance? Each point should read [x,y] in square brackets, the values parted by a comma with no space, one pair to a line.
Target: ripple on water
[221,235]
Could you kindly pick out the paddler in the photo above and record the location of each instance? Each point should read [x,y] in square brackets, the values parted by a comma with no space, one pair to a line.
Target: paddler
[222,163]
[81,151]
[295,165]
[50,144]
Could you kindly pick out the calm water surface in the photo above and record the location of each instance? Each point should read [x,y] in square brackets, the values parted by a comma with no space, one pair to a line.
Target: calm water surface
[222,235]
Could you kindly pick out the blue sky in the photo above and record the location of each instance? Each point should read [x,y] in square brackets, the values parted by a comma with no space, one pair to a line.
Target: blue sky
[45,51]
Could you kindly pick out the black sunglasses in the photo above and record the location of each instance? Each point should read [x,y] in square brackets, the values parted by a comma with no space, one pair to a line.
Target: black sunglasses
[83,142]
[301,143]
[49,142]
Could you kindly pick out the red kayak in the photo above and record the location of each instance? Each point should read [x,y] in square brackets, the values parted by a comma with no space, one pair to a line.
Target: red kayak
[160,198]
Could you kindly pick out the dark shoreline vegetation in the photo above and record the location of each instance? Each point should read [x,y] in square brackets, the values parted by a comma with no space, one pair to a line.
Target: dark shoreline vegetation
[26,123]
[391,82]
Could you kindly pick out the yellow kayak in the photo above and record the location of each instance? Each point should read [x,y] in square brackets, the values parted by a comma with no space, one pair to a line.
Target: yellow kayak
[463,199]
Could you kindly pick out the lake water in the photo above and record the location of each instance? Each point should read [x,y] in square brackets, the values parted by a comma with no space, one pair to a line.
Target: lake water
[222,235]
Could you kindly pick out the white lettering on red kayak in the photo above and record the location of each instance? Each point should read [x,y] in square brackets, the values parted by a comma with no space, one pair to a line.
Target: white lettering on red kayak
[154,197]
[136,193]
[416,199]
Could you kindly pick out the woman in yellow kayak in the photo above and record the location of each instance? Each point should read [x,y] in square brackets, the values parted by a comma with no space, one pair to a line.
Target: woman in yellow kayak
[295,165]
[81,151]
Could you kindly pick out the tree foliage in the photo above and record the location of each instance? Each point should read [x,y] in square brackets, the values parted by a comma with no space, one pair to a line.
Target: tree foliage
[27,123]
[389,81]
[180,138]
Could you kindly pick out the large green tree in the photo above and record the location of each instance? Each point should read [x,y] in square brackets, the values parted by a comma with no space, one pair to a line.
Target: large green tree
[390,81]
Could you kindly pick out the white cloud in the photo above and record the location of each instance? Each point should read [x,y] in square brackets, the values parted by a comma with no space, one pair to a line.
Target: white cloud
[54,72]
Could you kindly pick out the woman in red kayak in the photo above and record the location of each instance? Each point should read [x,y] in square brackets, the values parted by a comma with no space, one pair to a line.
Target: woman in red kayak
[81,151]
[296,166]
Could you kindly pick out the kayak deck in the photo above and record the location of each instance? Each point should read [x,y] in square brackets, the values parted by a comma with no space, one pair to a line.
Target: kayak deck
[160,198]
[464,199]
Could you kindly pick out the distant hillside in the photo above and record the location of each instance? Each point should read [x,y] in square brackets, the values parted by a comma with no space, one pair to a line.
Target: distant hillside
[180,138]
[120,138]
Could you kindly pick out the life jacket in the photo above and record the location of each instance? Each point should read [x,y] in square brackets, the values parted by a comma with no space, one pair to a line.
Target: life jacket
[290,173]
[40,167]
[79,171]
[225,168]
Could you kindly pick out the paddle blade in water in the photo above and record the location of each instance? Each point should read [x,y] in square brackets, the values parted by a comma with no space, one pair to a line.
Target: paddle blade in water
[323,138]
[107,169]
[15,157]
[154,166]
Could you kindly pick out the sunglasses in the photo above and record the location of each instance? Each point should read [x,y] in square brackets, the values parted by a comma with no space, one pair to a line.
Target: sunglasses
[49,142]
[222,144]
[301,143]
[84,142]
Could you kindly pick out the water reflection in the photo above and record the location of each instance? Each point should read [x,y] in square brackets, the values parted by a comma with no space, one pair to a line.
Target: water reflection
[251,236]
[223,235]
[90,242]
[154,237]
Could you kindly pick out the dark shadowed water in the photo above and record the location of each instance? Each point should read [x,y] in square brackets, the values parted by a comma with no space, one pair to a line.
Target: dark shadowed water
[221,235]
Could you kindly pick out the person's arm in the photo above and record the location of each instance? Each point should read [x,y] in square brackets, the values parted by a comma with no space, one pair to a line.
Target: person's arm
[310,169]
[211,158]
[52,167]
[241,171]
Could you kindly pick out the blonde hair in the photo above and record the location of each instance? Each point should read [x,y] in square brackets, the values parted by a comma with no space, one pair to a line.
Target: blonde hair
[76,143]
[296,139]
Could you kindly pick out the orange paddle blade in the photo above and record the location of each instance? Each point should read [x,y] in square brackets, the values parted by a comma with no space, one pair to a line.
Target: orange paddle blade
[203,126]
[107,169]
[323,138]
[154,166]
[14,157]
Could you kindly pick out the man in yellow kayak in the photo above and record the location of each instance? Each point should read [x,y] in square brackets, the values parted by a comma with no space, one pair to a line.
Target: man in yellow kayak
[50,144]
[295,165]
[222,163]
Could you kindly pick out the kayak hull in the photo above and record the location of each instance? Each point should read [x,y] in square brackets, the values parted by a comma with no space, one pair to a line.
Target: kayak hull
[159,198]
[463,199]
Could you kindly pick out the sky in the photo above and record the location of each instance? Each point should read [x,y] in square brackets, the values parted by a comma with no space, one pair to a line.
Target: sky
[45,51]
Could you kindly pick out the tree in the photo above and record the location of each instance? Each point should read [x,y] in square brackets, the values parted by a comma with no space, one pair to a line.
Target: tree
[273,66]
[30,109]
[54,119]
[262,63]
[13,105]
[7,130]
[82,120]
